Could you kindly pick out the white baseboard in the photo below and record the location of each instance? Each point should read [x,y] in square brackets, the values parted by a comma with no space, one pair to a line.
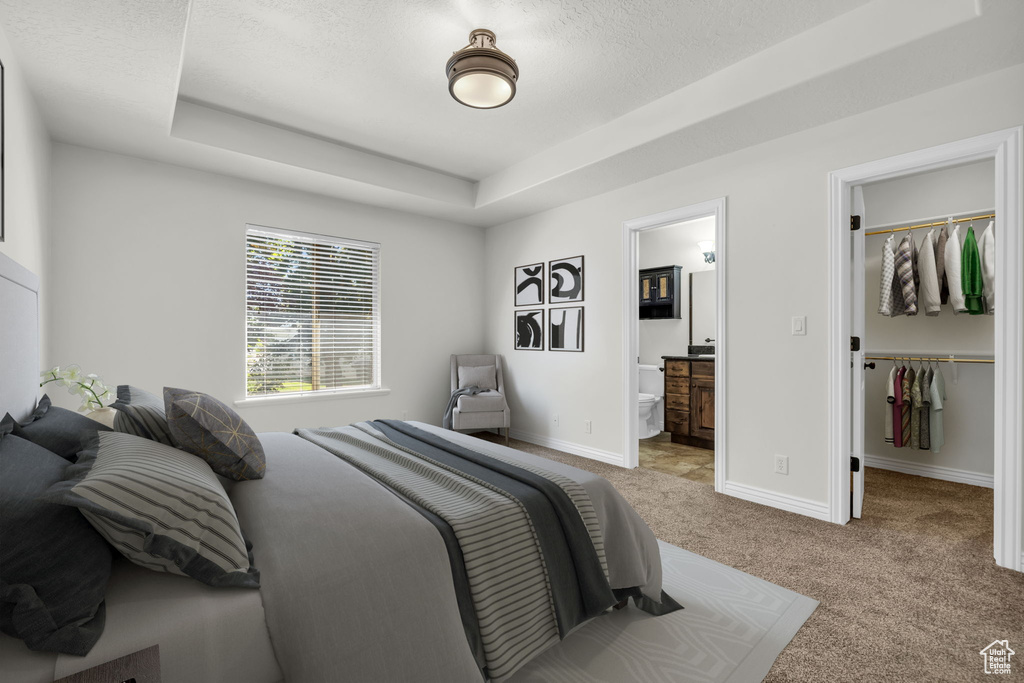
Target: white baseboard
[801,506]
[926,470]
[569,447]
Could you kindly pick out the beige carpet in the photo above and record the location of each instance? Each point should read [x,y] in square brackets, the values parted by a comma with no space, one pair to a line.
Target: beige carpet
[909,593]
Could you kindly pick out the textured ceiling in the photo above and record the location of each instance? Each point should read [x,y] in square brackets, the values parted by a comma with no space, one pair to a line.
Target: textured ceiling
[348,99]
[370,73]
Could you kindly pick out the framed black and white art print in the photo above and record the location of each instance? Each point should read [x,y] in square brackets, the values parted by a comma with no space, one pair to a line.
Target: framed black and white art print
[529,281]
[530,330]
[565,329]
[565,280]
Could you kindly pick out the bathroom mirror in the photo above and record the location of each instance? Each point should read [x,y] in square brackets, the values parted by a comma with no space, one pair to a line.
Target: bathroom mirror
[702,307]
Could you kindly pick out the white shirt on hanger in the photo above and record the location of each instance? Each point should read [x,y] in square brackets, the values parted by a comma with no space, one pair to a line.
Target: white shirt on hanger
[929,295]
[956,290]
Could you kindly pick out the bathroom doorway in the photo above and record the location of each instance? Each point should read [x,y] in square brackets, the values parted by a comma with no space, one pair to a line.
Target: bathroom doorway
[675,342]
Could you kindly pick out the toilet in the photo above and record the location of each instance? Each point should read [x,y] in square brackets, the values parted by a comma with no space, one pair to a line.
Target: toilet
[652,393]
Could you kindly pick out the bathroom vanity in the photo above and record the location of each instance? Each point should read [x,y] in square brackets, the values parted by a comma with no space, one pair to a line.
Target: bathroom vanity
[690,400]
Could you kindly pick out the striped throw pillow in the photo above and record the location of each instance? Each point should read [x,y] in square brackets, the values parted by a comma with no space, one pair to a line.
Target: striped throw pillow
[162,508]
[142,414]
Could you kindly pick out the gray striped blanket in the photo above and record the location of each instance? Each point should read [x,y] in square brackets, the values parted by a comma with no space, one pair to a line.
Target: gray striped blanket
[525,544]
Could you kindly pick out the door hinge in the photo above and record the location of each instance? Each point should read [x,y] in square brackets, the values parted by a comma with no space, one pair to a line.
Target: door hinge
[854,222]
[854,463]
[855,343]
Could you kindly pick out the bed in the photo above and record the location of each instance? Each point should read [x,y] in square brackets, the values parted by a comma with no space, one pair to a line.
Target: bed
[357,581]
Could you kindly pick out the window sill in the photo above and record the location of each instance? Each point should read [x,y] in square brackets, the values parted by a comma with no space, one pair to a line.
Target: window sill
[305,397]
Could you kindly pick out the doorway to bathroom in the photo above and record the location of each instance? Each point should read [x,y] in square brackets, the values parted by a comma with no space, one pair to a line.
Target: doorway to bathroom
[674,361]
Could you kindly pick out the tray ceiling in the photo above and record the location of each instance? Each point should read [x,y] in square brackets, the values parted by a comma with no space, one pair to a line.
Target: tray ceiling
[350,99]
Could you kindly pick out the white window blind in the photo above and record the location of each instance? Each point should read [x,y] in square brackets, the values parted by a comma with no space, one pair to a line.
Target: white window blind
[312,313]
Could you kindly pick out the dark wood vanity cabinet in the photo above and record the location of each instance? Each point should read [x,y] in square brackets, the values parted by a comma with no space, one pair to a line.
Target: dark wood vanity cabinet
[659,292]
[690,402]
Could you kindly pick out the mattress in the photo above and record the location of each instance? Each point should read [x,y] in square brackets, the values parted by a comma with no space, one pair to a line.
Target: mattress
[204,633]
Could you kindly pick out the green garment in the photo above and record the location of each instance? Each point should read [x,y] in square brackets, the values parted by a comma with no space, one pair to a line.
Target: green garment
[970,274]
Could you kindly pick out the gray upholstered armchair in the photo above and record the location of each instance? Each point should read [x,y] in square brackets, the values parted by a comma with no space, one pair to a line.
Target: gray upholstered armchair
[487,409]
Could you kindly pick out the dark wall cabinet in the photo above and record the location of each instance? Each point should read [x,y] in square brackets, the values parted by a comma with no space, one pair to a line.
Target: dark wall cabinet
[690,402]
[659,292]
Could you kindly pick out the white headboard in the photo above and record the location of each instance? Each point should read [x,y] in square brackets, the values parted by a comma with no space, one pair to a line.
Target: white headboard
[19,339]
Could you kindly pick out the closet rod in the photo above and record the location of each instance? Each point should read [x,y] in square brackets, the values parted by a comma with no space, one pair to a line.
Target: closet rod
[932,358]
[931,225]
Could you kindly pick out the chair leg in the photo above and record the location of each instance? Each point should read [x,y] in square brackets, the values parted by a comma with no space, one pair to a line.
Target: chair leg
[506,435]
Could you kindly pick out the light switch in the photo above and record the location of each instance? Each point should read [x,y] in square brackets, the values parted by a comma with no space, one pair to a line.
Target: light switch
[799,325]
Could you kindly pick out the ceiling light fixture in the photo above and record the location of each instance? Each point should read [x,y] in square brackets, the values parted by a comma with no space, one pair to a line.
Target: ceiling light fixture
[480,75]
[708,248]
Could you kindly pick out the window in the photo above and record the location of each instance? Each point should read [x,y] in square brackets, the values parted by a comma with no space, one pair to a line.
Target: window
[312,313]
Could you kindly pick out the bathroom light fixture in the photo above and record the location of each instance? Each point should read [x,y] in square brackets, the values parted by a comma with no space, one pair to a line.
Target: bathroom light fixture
[480,75]
[708,247]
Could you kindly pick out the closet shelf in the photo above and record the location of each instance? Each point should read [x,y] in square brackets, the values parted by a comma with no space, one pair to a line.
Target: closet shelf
[942,359]
[935,224]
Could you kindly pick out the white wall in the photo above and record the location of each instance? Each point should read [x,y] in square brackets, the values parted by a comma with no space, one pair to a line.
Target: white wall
[777,218]
[26,179]
[148,285]
[673,245]
[967,418]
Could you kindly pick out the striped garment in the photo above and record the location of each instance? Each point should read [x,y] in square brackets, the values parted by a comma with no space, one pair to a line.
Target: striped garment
[885,288]
[162,508]
[142,414]
[897,408]
[906,407]
[905,272]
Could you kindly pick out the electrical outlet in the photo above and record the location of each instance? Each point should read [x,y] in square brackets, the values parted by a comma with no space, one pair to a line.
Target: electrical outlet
[554,420]
[781,464]
[799,325]
[587,426]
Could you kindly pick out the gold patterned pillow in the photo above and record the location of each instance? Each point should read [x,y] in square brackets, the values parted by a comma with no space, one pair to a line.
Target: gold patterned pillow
[203,426]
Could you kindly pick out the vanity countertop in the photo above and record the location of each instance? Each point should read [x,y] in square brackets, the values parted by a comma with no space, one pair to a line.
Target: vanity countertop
[691,356]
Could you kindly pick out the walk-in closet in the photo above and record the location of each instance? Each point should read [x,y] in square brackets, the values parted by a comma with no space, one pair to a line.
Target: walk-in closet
[928,331]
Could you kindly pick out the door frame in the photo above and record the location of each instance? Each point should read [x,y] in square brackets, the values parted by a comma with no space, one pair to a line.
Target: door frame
[631,230]
[1005,148]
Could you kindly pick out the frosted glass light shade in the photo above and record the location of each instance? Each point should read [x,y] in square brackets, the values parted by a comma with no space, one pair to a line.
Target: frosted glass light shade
[707,247]
[482,90]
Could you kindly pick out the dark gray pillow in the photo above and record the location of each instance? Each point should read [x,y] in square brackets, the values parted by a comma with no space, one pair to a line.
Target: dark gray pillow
[160,507]
[202,425]
[58,430]
[141,413]
[54,567]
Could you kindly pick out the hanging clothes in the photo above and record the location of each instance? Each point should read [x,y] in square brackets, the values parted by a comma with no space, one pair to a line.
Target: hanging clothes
[907,407]
[987,251]
[970,274]
[928,294]
[937,390]
[897,408]
[905,272]
[890,399]
[926,399]
[914,253]
[940,265]
[915,409]
[885,287]
[956,292]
